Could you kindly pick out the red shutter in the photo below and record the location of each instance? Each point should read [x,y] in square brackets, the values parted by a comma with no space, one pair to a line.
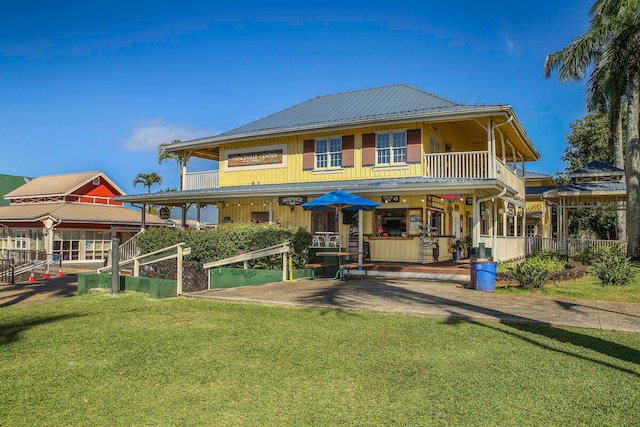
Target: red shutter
[369,149]
[413,146]
[308,154]
[347,151]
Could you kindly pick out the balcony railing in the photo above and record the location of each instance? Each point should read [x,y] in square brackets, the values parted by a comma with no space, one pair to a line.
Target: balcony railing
[200,180]
[471,165]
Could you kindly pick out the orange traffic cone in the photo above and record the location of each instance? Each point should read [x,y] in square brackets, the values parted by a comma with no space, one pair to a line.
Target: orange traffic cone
[32,278]
[60,272]
[46,273]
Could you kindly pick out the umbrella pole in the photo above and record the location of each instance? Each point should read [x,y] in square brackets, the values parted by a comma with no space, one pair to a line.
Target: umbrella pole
[360,238]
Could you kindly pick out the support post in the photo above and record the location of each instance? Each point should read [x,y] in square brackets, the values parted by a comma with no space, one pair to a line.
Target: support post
[115,265]
[360,238]
[179,272]
[284,266]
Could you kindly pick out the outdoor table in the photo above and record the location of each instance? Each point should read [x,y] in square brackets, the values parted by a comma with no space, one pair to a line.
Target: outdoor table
[338,255]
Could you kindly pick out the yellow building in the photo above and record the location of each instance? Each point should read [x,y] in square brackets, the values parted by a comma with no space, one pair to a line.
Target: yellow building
[429,161]
[539,221]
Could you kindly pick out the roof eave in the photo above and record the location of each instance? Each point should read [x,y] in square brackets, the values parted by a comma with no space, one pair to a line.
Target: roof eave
[179,197]
[298,130]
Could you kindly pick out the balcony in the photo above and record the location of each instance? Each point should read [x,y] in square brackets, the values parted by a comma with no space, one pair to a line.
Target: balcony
[200,180]
[470,165]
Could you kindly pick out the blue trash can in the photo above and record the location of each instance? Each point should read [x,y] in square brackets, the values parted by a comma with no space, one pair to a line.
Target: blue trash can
[484,276]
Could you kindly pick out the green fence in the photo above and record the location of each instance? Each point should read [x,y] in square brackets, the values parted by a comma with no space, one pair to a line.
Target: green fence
[156,288]
[227,277]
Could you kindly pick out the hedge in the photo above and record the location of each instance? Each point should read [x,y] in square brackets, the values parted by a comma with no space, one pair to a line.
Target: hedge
[229,240]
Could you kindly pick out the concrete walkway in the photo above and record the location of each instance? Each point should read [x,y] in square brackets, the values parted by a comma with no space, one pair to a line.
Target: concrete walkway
[379,294]
[425,298]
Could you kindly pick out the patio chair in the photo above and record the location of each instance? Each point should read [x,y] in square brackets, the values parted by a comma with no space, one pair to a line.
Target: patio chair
[334,241]
[317,240]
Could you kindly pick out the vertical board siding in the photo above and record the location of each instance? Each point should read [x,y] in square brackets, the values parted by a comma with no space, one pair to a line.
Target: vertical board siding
[358,157]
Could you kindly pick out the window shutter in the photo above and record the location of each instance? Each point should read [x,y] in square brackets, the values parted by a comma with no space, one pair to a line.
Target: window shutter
[347,151]
[413,146]
[369,149]
[308,154]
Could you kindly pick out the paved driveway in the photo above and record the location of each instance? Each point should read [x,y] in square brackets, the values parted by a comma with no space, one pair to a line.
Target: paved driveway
[29,293]
[441,299]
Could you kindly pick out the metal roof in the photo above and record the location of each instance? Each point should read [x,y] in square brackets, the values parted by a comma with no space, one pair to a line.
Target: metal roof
[596,167]
[349,107]
[536,175]
[612,186]
[387,104]
[538,191]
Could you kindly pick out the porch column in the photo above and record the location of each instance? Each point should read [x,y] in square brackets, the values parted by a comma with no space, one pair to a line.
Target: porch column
[48,238]
[184,215]
[505,224]
[270,211]
[183,174]
[198,206]
[475,212]
[491,148]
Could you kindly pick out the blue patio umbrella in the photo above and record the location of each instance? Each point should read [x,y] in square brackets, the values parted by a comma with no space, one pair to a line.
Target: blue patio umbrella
[340,200]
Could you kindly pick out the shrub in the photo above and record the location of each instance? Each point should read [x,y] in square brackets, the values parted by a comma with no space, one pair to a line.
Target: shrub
[536,270]
[230,240]
[585,256]
[611,266]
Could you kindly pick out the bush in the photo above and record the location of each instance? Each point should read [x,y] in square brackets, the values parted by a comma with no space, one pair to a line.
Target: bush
[585,256]
[611,266]
[536,270]
[230,240]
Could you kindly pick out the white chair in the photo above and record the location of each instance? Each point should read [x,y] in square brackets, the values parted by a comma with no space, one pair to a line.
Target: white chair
[317,240]
[334,241]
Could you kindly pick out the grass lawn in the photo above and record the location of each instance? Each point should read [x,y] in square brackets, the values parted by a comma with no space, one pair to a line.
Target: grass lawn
[128,360]
[588,287]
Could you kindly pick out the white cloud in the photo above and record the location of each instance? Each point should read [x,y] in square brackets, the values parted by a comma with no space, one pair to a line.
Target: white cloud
[149,134]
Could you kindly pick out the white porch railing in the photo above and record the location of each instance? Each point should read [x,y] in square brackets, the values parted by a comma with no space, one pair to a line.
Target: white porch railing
[504,248]
[568,247]
[200,180]
[509,177]
[470,164]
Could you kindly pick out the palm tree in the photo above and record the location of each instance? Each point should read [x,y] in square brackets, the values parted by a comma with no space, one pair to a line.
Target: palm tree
[170,155]
[147,179]
[610,49]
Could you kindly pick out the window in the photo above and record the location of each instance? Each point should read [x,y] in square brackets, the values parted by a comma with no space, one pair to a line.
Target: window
[97,244]
[328,153]
[391,148]
[22,239]
[324,221]
[391,222]
[434,145]
[66,243]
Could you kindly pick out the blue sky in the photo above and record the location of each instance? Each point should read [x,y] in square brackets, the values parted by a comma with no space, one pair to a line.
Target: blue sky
[97,85]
